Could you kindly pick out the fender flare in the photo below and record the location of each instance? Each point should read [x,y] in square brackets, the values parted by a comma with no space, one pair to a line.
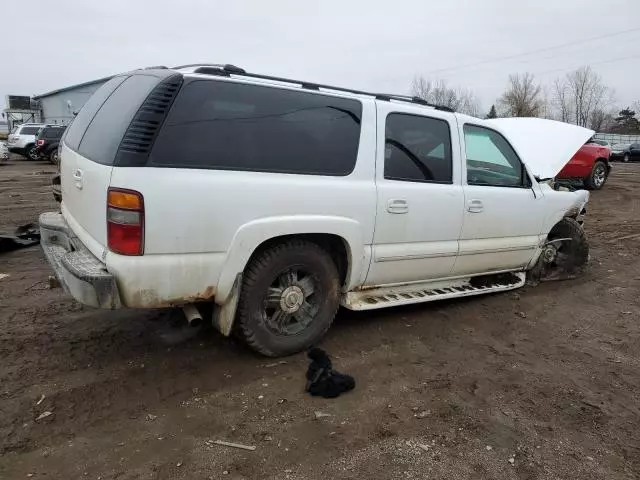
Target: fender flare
[253,234]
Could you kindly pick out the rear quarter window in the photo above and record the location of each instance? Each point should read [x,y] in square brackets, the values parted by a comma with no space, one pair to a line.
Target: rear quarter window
[233,126]
[105,131]
[88,111]
[29,130]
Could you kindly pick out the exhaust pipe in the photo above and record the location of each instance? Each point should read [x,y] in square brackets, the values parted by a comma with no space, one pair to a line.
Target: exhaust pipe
[191,313]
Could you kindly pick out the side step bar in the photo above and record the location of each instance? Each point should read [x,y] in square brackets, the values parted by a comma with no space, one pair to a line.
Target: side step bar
[382,297]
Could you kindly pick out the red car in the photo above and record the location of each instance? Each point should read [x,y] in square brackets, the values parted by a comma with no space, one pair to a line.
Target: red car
[590,165]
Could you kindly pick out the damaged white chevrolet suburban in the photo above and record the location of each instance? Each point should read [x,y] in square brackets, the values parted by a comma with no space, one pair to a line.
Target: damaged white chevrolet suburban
[276,201]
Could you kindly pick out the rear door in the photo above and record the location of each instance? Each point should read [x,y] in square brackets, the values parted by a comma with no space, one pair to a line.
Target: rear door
[420,199]
[88,153]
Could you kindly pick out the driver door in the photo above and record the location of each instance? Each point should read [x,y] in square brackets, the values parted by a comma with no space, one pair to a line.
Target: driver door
[503,212]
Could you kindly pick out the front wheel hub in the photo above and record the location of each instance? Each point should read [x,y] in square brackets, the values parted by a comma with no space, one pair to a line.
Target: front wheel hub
[549,253]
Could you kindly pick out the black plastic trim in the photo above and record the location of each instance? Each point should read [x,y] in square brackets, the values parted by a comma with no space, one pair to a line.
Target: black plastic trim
[138,139]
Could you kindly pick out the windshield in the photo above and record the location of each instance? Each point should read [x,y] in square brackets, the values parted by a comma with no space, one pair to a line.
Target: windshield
[620,146]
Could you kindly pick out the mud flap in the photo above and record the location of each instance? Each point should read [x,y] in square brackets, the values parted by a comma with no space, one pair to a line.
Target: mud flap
[224,315]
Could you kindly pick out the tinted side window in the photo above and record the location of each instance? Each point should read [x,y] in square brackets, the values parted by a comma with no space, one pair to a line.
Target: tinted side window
[29,130]
[104,134]
[232,126]
[87,112]
[53,133]
[417,149]
[491,160]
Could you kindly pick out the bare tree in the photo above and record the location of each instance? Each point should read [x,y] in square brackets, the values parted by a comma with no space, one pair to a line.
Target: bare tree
[523,97]
[561,100]
[421,87]
[588,94]
[439,93]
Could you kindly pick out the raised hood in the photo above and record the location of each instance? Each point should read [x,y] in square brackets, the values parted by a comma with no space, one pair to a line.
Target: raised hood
[546,146]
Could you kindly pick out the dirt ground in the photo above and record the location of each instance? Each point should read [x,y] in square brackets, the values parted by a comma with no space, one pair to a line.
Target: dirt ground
[543,383]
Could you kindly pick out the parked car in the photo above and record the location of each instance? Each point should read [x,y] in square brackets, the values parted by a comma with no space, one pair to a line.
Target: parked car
[589,166]
[618,151]
[47,141]
[270,202]
[4,152]
[627,152]
[22,140]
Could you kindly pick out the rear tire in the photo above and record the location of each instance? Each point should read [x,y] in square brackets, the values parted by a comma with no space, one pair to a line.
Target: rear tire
[31,153]
[289,298]
[598,176]
[53,157]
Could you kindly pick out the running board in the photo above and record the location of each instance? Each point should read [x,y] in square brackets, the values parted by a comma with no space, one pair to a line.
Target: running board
[381,297]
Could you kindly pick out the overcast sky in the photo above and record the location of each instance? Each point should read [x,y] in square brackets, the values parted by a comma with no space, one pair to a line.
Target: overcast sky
[369,44]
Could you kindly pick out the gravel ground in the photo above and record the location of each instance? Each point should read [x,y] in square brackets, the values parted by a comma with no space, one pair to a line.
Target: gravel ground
[538,384]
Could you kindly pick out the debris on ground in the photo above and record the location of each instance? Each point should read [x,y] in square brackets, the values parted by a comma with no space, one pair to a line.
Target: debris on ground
[322,380]
[275,364]
[150,417]
[319,414]
[235,445]
[53,282]
[3,275]
[41,400]
[44,415]
[24,236]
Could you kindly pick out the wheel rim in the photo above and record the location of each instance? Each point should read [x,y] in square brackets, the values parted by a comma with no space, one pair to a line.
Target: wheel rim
[54,157]
[599,176]
[626,158]
[32,153]
[291,301]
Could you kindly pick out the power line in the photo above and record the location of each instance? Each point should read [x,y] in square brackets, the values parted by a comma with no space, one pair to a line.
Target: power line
[562,69]
[531,52]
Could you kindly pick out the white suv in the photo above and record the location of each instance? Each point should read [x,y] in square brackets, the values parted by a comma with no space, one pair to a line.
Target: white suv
[22,140]
[275,201]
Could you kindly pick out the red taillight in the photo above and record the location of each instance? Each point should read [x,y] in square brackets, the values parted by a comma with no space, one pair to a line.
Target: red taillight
[40,143]
[125,221]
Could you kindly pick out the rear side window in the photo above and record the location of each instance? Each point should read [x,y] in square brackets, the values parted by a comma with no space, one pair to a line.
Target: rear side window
[29,130]
[417,149]
[231,126]
[104,134]
[53,133]
[88,111]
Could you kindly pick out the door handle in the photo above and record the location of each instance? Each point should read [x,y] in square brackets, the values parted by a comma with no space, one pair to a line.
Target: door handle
[77,177]
[475,206]
[397,206]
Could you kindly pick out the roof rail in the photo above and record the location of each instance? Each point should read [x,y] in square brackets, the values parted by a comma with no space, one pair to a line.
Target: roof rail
[228,70]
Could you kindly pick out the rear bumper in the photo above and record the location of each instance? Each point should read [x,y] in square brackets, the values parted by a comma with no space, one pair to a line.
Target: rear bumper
[81,274]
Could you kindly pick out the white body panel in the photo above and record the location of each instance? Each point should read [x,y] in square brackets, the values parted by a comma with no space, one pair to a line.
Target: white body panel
[84,185]
[201,226]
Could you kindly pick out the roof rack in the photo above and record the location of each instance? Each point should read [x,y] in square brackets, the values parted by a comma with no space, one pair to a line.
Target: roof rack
[228,70]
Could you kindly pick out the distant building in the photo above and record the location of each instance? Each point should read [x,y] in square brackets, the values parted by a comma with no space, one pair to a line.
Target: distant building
[59,106]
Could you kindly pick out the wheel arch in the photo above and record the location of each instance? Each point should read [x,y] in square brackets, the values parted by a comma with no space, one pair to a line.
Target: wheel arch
[341,237]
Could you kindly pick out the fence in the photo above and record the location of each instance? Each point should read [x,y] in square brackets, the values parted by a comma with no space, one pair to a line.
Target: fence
[614,138]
